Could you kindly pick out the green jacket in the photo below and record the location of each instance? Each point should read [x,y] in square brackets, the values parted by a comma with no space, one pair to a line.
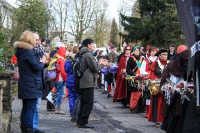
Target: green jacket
[112,57]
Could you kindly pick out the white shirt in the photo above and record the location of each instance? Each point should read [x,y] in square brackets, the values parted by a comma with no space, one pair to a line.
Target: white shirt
[144,63]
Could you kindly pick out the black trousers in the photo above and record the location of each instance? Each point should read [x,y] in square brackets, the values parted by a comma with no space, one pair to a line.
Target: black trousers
[86,105]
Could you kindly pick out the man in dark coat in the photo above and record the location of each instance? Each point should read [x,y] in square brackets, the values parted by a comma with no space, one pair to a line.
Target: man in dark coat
[90,69]
[39,52]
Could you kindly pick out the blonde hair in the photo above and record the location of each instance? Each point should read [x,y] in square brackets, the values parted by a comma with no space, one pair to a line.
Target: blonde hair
[28,37]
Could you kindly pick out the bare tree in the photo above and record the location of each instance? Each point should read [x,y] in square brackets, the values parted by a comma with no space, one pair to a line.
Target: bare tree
[60,13]
[101,27]
[82,16]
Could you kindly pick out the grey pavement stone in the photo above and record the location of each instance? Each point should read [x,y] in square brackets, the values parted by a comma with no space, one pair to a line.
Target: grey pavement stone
[107,117]
[48,121]
[127,122]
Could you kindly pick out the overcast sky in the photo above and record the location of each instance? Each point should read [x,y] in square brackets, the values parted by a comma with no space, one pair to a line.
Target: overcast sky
[114,5]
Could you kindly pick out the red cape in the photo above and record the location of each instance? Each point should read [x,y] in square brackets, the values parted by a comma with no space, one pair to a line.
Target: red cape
[120,90]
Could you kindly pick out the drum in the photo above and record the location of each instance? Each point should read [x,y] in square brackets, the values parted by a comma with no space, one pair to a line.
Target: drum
[154,87]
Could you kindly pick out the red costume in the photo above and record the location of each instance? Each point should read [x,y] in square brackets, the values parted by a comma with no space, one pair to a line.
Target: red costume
[146,69]
[120,91]
[155,110]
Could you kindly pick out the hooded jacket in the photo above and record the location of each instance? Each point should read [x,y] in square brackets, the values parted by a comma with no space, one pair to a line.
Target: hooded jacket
[90,69]
[174,67]
[61,74]
[69,71]
[30,82]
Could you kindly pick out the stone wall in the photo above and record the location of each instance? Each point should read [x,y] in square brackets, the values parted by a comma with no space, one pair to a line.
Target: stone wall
[6,87]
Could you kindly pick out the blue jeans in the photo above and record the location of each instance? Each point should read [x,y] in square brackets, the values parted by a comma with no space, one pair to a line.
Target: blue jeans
[27,113]
[59,91]
[35,118]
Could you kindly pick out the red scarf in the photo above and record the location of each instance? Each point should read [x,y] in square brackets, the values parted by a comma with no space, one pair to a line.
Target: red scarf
[163,62]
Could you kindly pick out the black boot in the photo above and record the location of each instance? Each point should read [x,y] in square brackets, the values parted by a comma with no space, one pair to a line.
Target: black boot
[124,106]
[25,129]
[29,130]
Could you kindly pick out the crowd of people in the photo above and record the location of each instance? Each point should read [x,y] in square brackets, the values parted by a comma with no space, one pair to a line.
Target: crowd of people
[152,80]
[145,80]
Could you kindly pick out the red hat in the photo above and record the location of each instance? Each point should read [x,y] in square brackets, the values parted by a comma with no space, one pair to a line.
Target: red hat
[62,51]
[148,47]
[181,48]
[110,44]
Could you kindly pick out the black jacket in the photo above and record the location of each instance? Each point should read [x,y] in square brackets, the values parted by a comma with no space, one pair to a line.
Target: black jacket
[171,56]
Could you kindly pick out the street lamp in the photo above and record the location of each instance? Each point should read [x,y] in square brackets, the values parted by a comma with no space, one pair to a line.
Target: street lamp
[47,23]
[47,29]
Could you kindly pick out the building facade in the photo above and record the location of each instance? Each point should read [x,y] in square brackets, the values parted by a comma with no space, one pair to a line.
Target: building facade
[6,11]
[67,38]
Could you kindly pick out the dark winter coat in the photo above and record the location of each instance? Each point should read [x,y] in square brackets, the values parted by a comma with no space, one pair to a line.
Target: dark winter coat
[30,82]
[90,69]
[174,67]
[170,56]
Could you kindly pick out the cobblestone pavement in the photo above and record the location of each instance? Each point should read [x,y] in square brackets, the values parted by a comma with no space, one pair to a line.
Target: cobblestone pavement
[107,117]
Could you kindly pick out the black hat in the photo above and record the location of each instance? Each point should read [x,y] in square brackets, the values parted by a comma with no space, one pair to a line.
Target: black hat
[162,50]
[87,41]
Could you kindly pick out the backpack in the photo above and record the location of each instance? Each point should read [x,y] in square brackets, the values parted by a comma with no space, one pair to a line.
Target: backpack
[72,62]
[77,67]
[51,69]
[78,73]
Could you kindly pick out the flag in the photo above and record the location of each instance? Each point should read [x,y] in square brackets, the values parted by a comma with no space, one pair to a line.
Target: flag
[188,12]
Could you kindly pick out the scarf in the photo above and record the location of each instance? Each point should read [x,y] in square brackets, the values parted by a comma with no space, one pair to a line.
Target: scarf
[39,51]
[137,56]
[163,62]
[138,60]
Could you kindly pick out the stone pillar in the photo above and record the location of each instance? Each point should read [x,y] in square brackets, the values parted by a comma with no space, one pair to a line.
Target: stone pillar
[2,85]
[6,84]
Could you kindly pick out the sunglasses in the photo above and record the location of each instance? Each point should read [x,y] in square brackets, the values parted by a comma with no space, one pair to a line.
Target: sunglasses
[128,49]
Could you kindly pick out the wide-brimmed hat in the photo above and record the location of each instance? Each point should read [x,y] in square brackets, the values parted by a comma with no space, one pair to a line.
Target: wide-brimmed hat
[162,50]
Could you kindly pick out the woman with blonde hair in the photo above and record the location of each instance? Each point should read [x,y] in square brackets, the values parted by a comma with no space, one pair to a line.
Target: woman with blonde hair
[30,82]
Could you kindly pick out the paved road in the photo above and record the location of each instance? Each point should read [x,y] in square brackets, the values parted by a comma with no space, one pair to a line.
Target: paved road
[108,117]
